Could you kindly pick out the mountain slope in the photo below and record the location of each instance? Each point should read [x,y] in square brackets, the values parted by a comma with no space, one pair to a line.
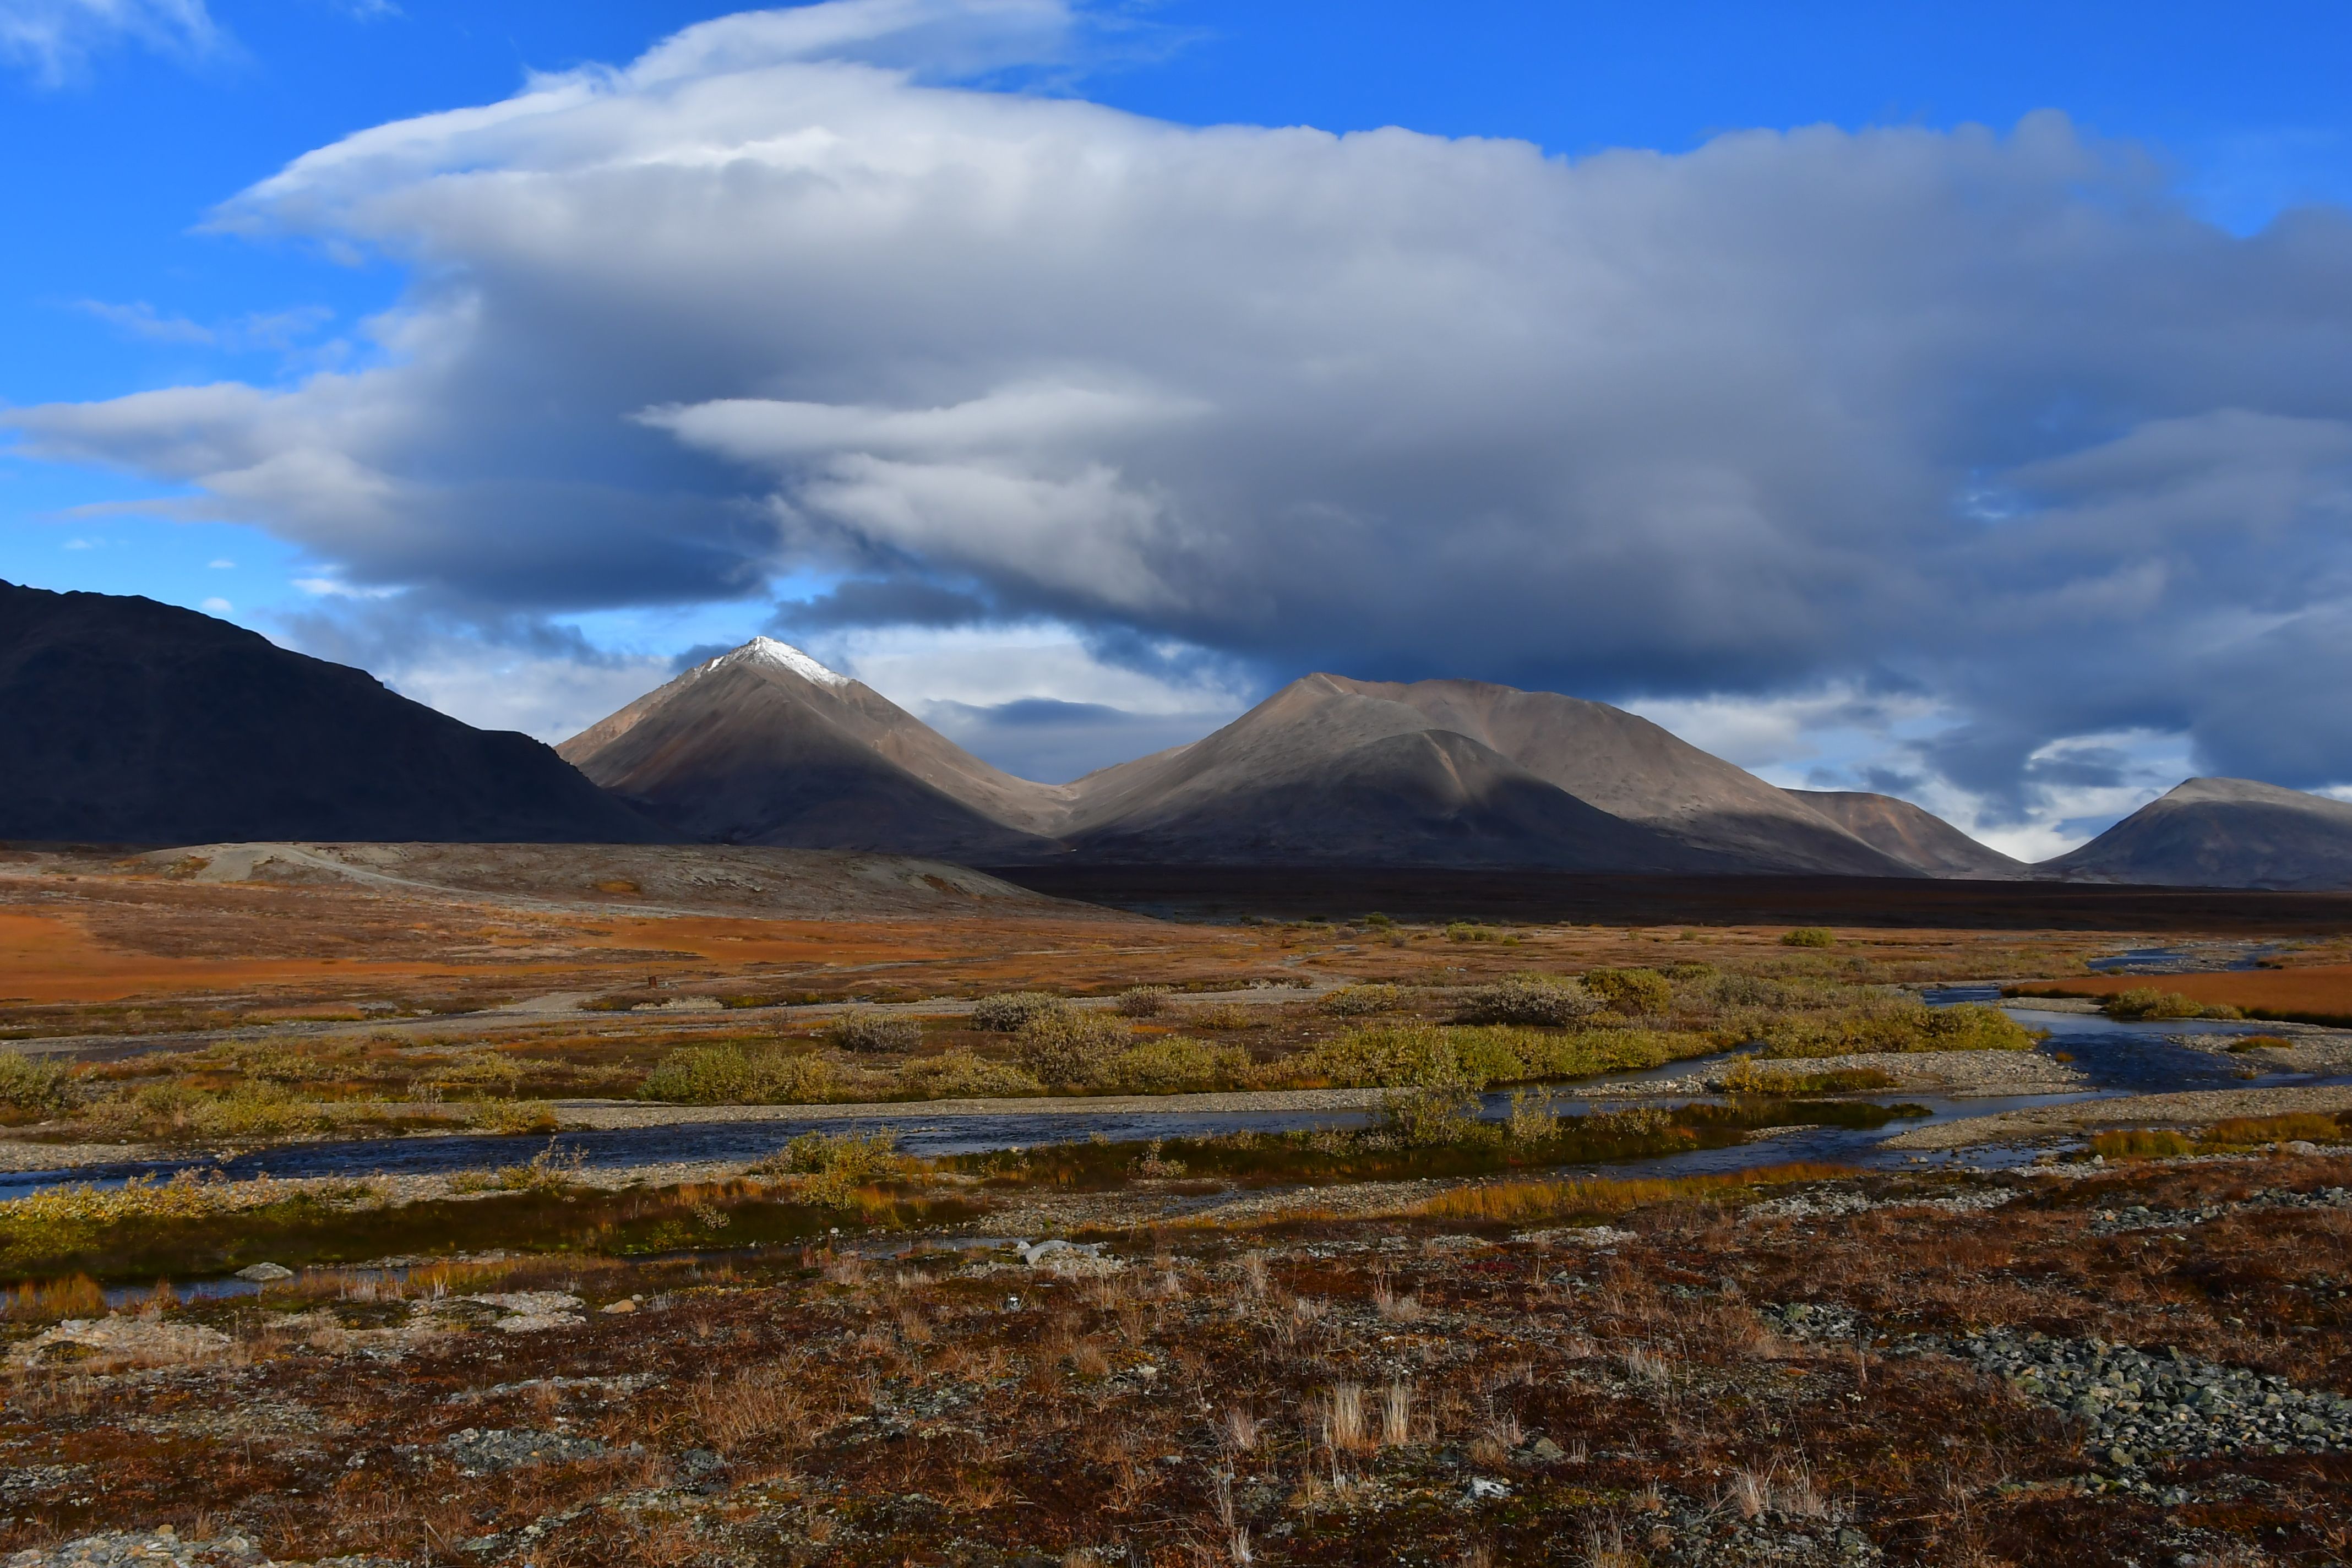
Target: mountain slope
[2221,833]
[1320,774]
[1635,770]
[764,745]
[133,722]
[1913,834]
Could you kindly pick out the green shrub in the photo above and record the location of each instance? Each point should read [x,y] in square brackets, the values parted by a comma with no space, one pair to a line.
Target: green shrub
[833,1165]
[866,1031]
[1143,1001]
[1360,1001]
[1007,1010]
[514,1116]
[1415,1056]
[2147,1002]
[1748,1076]
[1897,1026]
[1068,1047]
[1524,999]
[1749,991]
[731,1075]
[964,1075]
[38,1086]
[1470,930]
[1434,1118]
[1810,936]
[1636,992]
[1172,1064]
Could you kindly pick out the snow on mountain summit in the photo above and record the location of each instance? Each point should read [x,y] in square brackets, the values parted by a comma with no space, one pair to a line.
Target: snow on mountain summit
[768,650]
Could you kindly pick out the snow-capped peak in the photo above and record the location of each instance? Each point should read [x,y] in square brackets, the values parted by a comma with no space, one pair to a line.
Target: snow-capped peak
[768,650]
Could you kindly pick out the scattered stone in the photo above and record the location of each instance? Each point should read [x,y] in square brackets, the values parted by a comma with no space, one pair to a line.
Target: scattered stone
[1813,1205]
[1481,1489]
[1577,1236]
[487,1451]
[266,1273]
[162,1548]
[2142,1406]
[528,1311]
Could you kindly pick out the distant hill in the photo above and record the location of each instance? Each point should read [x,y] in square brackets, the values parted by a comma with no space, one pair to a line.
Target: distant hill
[130,721]
[1913,834]
[765,745]
[2221,833]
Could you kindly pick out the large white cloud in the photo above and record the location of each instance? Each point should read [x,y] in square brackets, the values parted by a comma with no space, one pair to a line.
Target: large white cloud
[1987,421]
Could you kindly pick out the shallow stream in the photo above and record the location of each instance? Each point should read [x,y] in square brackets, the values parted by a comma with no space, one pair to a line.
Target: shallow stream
[2119,1058]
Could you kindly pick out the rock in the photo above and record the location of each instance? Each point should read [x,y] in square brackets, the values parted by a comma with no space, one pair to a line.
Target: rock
[266,1273]
[1481,1489]
[1544,1451]
[150,1341]
[533,1322]
[487,1451]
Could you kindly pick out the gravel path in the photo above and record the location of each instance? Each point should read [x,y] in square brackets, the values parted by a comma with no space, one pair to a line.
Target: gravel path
[2191,1110]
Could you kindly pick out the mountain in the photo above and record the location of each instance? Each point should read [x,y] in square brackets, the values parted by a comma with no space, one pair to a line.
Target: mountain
[765,745]
[2221,833]
[130,722]
[1326,771]
[1917,837]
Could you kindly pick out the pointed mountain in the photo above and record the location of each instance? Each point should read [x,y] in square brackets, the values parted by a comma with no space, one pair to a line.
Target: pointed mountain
[130,722]
[765,745]
[1913,834]
[2221,833]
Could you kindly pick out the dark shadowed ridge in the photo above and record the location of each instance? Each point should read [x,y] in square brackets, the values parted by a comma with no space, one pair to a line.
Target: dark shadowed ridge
[2221,833]
[130,721]
[1917,837]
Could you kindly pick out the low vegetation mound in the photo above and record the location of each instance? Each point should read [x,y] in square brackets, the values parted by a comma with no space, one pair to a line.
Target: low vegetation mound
[2147,1002]
[1902,1025]
[1006,1011]
[1538,999]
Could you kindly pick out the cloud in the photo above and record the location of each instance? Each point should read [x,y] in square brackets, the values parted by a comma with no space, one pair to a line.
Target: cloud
[260,330]
[52,40]
[1985,431]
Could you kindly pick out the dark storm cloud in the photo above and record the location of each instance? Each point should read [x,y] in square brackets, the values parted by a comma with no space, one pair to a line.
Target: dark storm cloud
[1989,416]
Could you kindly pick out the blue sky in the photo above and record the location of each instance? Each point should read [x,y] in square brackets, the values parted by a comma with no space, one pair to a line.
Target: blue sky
[148,116]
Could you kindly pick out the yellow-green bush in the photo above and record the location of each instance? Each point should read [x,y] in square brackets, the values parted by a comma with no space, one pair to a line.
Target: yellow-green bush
[1525,999]
[1810,936]
[1068,1047]
[833,1165]
[64,1219]
[1636,992]
[1361,1001]
[2147,1002]
[964,1075]
[514,1116]
[866,1030]
[1415,1055]
[1144,1001]
[1172,1064]
[731,1075]
[1896,1026]
[35,1086]
[1007,1010]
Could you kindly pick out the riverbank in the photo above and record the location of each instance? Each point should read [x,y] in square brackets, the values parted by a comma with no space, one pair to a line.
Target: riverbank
[2196,1108]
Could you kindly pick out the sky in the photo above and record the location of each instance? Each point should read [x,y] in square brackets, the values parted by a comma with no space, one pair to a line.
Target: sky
[1948,401]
